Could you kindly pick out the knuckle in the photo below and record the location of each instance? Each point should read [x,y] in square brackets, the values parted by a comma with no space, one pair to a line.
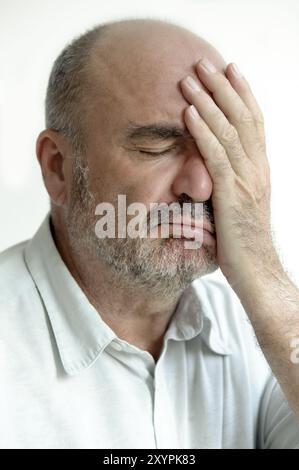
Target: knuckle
[261,147]
[214,114]
[260,124]
[246,118]
[222,165]
[221,170]
[259,117]
[219,151]
[229,134]
[260,120]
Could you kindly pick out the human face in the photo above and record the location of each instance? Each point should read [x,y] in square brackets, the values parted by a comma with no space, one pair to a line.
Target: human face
[138,146]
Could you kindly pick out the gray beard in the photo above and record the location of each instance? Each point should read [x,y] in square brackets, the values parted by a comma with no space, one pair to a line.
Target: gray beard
[162,266]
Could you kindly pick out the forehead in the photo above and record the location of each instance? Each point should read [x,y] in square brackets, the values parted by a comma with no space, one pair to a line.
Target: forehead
[137,75]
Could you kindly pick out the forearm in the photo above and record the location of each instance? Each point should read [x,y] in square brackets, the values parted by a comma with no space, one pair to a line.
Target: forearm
[271,301]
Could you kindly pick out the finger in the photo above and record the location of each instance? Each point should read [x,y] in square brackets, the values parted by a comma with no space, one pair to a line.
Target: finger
[242,87]
[214,155]
[217,123]
[232,106]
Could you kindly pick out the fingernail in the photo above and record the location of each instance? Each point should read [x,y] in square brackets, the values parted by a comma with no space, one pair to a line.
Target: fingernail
[236,71]
[192,83]
[207,65]
[193,111]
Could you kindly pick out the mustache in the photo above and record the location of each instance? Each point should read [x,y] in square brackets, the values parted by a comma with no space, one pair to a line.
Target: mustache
[177,209]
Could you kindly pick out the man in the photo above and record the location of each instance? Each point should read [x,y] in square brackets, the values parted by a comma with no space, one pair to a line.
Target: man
[119,342]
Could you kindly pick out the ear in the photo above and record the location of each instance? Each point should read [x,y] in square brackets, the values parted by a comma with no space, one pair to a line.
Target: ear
[53,150]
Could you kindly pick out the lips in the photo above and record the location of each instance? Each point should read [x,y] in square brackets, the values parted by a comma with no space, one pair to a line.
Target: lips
[192,224]
[186,231]
[189,228]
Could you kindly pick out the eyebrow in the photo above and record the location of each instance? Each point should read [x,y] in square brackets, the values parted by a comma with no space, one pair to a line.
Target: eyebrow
[155,131]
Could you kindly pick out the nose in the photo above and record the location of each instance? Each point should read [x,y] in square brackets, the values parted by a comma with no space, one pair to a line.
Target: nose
[193,179]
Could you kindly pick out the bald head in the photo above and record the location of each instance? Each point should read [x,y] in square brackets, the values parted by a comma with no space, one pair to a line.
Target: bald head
[117,66]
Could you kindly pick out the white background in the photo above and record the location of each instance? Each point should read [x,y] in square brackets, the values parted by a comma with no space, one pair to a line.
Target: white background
[262,37]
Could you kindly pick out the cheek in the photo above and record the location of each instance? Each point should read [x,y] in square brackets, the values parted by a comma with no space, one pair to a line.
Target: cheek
[141,180]
[149,187]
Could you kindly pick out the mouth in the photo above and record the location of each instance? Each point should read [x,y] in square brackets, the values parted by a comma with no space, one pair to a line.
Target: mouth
[185,231]
[197,227]
[189,230]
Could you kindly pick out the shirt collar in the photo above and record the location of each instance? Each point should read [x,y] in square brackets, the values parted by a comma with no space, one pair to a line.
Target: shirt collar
[81,334]
[195,314]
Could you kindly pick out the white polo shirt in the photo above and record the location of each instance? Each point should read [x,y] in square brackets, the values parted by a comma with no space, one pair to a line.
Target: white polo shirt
[67,380]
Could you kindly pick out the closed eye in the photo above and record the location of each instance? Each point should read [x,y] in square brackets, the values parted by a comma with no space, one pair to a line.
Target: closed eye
[157,154]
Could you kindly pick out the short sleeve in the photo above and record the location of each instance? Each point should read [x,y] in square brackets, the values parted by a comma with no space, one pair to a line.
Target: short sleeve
[278,427]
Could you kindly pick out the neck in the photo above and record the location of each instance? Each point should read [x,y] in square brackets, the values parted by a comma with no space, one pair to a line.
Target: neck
[135,314]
